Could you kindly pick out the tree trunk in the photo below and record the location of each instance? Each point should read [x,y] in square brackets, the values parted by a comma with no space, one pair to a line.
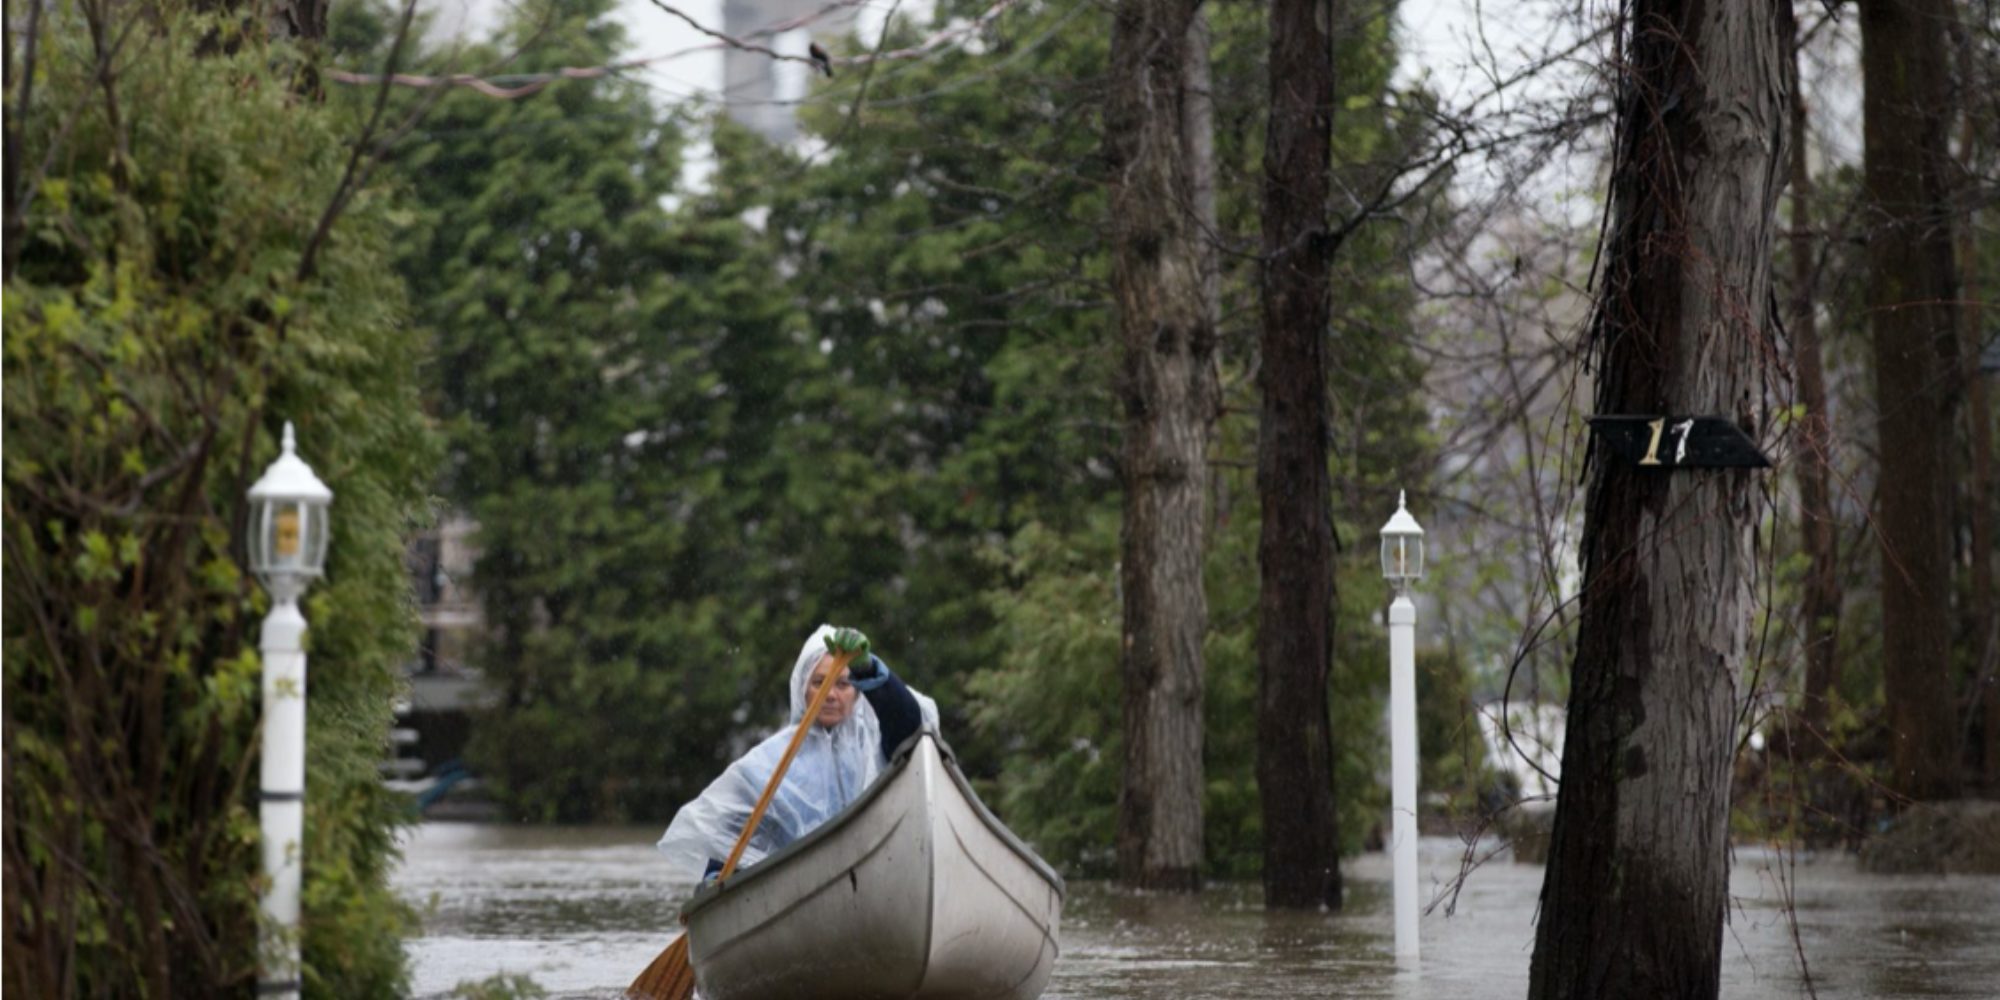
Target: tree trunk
[1168,391]
[1633,898]
[1295,550]
[300,20]
[21,44]
[1985,616]
[1985,610]
[1911,288]
[1198,134]
[1819,605]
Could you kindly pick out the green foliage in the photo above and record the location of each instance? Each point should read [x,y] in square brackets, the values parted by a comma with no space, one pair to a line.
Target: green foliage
[640,428]
[1054,696]
[158,331]
[1451,749]
[500,986]
[946,254]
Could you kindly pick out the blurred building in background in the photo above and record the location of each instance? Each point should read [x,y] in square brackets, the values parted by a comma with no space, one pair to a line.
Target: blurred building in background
[760,92]
[434,721]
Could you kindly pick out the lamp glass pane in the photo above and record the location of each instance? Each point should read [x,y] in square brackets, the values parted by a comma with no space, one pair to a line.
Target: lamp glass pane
[286,540]
[260,529]
[316,538]
[1402,556]
[287,536]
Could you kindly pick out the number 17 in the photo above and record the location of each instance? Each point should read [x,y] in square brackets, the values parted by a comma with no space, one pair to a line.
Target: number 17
[1680,448]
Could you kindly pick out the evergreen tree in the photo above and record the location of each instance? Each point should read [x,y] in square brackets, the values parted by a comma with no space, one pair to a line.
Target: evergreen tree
[631,414]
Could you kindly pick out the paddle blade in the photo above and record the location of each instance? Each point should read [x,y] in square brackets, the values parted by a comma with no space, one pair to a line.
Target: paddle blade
[670,977]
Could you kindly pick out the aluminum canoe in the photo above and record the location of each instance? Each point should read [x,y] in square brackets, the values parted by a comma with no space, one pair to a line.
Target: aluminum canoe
[913,892]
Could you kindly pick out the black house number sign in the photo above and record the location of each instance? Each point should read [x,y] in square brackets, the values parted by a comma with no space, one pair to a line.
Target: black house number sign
[1670,442]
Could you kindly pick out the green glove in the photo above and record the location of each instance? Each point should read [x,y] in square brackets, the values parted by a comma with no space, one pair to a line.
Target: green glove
[845,640]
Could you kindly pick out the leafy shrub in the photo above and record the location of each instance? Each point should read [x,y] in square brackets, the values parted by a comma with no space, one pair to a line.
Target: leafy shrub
[160,326]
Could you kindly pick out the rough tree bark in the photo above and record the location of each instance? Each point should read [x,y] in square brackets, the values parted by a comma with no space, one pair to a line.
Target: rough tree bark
[1819,604]
[1295,549]
[300,20]
[1167,389]
[1912,286]
[1198,136]
[1633,898]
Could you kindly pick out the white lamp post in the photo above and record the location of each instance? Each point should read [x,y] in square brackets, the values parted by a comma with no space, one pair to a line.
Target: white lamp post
[288,534]
[1403,564]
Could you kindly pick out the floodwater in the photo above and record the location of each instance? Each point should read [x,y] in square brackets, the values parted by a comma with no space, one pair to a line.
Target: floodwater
[581,910]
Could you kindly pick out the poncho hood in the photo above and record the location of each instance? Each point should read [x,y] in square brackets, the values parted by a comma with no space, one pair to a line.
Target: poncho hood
[832,768]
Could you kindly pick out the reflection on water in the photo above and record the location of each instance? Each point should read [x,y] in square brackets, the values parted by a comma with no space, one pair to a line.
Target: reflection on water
[582,910]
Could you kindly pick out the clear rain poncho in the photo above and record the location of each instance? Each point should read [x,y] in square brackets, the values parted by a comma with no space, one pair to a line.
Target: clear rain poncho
[831,770]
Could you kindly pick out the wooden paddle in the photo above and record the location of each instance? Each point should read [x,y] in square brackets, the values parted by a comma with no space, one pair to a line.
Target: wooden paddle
[671,975]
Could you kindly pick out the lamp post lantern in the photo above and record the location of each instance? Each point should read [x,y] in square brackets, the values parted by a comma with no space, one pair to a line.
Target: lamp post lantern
[1403,565]
[287,545]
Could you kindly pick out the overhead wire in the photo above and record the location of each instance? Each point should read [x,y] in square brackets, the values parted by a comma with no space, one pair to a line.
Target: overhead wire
[723,96]
[514,86]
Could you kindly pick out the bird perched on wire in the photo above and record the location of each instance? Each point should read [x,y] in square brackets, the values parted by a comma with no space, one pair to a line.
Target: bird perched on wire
[820,58]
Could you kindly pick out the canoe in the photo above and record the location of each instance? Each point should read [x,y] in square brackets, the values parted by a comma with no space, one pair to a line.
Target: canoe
[913,892]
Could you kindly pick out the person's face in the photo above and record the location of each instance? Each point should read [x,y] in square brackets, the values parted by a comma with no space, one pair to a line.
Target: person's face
[839,702]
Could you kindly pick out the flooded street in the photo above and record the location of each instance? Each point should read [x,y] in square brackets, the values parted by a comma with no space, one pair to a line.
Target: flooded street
[582,909]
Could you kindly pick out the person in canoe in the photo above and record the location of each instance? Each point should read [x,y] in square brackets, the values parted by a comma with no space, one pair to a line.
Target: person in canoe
[866,717]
